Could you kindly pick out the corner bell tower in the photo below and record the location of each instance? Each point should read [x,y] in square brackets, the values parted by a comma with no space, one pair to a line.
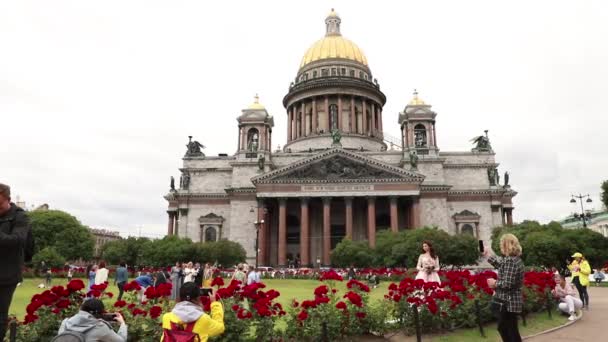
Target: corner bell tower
[418,129]
[255,132]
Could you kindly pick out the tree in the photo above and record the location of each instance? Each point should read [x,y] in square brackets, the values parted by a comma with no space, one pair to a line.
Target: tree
[166,251]
[62,231]
[551,245]
[605,194]
[224,252]
[129,250]
[50,257]
[352,253]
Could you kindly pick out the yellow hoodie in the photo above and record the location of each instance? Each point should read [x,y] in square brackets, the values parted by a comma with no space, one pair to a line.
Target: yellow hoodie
[206,326]
[583,272]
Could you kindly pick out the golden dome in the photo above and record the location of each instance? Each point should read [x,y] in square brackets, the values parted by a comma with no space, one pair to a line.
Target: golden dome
[416,101]
[256,103]
[333,45]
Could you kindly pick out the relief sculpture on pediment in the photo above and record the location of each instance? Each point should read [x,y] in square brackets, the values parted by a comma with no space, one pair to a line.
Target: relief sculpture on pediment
[338,168]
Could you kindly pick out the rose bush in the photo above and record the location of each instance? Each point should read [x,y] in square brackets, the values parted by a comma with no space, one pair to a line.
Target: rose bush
[251,312]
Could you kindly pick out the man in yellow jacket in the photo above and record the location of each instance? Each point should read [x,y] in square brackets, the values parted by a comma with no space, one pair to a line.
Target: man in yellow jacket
[580,277]
[188,315]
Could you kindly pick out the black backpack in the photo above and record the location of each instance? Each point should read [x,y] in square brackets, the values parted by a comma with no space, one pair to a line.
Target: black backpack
[69,336]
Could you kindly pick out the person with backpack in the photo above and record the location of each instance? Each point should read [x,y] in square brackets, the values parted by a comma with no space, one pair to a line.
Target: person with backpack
[91,324]
[16,247]
[187,322]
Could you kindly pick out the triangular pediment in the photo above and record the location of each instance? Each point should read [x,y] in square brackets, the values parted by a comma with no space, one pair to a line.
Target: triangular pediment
[337,166]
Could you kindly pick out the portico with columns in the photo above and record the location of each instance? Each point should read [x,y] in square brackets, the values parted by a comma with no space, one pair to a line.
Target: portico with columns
[311,205]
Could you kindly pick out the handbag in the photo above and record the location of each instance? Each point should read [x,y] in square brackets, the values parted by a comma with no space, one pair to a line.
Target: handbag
[497,307]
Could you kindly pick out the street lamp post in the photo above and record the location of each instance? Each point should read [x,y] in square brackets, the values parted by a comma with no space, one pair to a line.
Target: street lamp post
[258,225]
[583,216]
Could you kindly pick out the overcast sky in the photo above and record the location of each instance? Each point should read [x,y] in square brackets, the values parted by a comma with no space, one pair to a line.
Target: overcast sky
[97,98]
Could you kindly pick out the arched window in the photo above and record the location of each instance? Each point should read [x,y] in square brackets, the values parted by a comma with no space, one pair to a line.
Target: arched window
[420,135]
[253,137]
[467,229]
[333,112]
[210,234]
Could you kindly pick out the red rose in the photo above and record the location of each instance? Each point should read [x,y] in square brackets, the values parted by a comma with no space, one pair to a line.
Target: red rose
[272,294]
[138,311]
[321,300]
[30,318]
[130,306]
[164,290]
[303,315]
[62,304]
[354,298]
[360,285]
[397,297]
[295,303]
[321,290]
[56,311]
[341,305]
[120,304]
[109,294]
[155,311]
[150,292]
[75,285]
[218,281]
[360,315]
[330,275]
[309,304]
[235,307]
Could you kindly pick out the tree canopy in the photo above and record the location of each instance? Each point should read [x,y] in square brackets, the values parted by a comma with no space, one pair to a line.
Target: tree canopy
[167,251]
[403,248]
[63,232]
[550,245]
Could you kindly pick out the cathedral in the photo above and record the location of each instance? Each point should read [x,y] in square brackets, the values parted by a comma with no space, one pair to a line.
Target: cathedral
[338,175]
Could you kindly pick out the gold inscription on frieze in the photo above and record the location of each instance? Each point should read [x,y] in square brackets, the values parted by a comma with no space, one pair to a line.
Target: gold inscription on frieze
[320,188]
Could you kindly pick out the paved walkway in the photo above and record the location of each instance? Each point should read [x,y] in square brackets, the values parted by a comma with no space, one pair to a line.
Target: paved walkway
[591,327]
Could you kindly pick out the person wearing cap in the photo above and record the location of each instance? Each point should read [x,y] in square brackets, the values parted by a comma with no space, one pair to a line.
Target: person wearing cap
[580,276]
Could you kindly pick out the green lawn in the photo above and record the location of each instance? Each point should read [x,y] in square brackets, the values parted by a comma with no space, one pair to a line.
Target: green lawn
[289,289]
[535,323]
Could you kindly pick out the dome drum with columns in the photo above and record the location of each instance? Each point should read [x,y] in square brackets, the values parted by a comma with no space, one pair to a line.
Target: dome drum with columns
[334,90]
[334,177]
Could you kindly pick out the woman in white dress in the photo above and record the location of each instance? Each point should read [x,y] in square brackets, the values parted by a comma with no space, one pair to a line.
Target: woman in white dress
[189,273]
[428,264]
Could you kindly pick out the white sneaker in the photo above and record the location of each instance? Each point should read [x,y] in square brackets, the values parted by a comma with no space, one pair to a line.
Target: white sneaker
[572,317]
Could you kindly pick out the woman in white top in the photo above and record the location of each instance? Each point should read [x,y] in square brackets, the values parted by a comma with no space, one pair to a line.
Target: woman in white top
[428,264]
[189,273]
[101,276]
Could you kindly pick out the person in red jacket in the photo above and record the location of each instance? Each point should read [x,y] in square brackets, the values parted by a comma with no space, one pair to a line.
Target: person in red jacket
[16,247]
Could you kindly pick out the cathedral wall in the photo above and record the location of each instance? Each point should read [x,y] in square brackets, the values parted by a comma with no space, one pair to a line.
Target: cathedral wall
[241,176]
[393,158]
[284,159]
[193,228]
[467,178]
[208,162]
[433,173]
[324,141]
[434,212]
[210,182]
[497,218]
[241,228]
[467,157]
[482,208]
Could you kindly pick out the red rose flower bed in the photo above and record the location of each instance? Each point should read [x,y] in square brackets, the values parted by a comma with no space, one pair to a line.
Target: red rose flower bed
[252,311]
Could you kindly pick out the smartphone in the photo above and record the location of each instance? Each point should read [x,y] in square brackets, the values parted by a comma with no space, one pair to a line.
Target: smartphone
[206,292]
[481,249]
[108,317]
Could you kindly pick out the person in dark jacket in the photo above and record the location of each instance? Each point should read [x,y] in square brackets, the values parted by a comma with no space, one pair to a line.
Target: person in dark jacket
[16,247]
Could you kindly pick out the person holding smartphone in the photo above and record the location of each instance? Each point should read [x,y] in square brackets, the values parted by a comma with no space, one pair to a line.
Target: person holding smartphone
[507,302]
[92,324]
[188,315]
